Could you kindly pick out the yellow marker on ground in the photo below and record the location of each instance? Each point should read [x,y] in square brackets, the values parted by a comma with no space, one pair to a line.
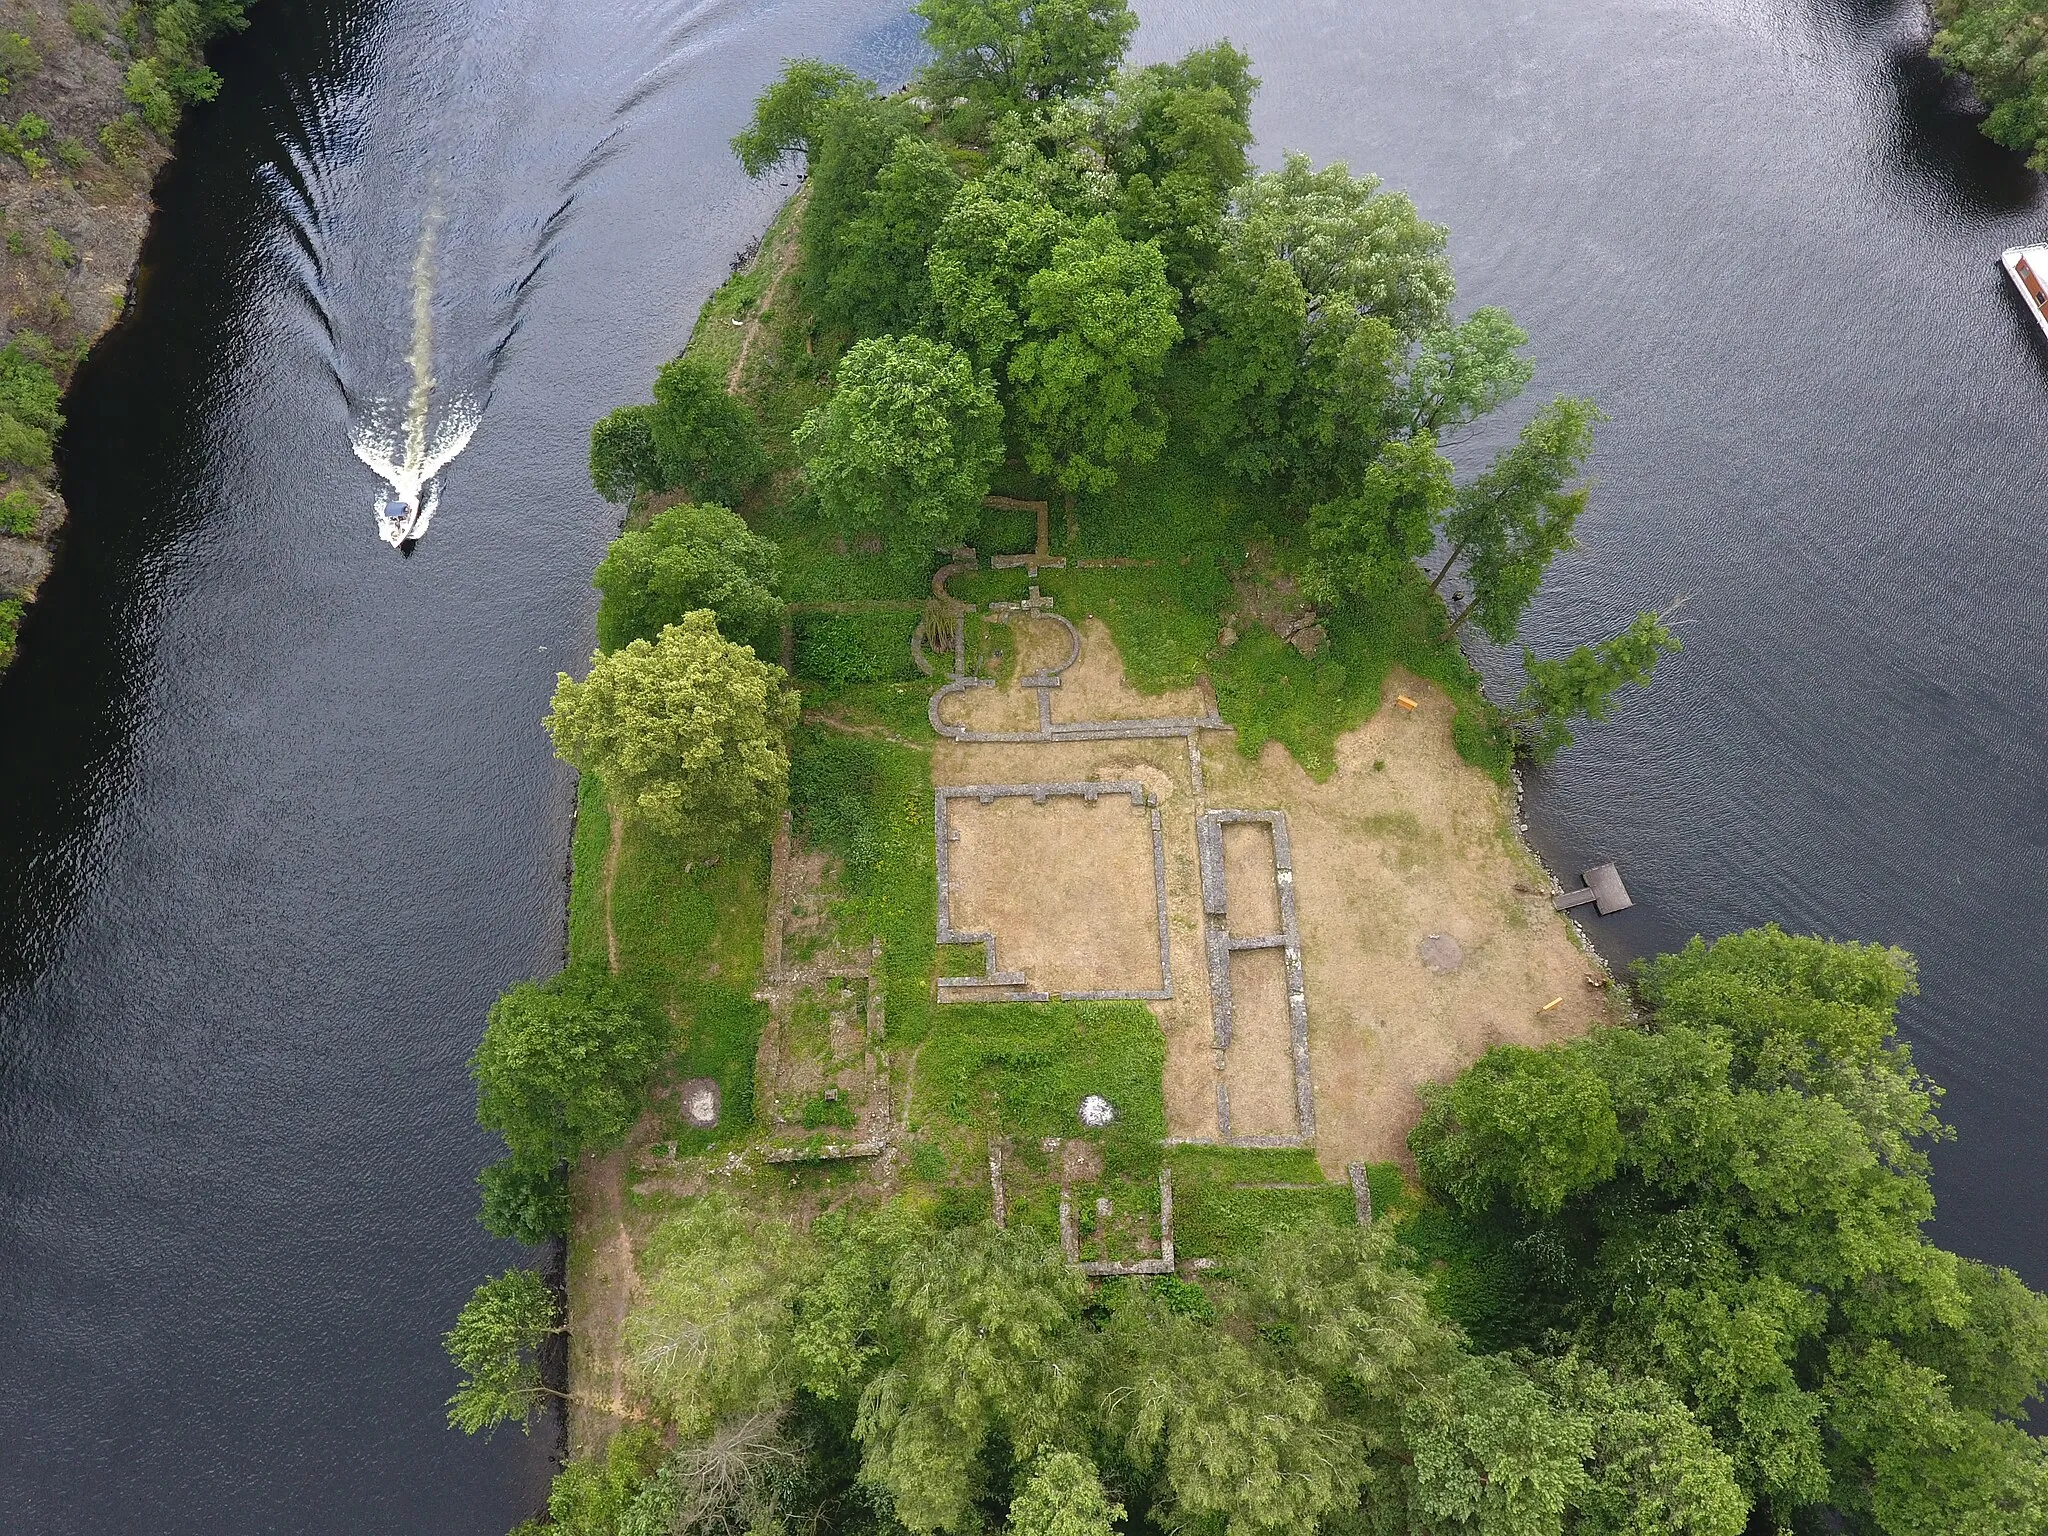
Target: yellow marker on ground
[1552,1004]
[1404,701]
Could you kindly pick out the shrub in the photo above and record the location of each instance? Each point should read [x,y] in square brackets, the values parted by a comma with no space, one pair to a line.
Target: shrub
[20,513]
[10,624]
[525,1199]
[123,141]
[72,153]
[841,648]
[622,457]
[150,94]
[87,22]
[18,57]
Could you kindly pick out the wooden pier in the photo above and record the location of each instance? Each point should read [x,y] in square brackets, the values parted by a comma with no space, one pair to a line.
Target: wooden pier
[1603,888]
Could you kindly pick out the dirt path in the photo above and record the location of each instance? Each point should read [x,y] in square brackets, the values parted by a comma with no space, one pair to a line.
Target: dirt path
[603,1279]
[782,266]
[611,879]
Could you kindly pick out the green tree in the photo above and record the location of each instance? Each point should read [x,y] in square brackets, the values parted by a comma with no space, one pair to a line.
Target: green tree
[1099,323]
[990,243]
[1997,43]
[1462,372]
[595,1496]
[689,558]
[1177,135]
[564,1064]
[983,1327]
[1365,544]
[709,1339]
[1530,1126]
[496,1344]
[905,444]
[1063,1496]
[525,1198]
[878,281]
[623,462]
[1755,1242]
[29,396]
[705,441]
[855,137]
[788,115]
[1583,684]
[1323,286]
[1513,520]
[1002,51]
[688,733]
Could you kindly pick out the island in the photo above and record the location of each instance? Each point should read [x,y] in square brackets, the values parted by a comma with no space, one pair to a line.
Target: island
[1061,1032]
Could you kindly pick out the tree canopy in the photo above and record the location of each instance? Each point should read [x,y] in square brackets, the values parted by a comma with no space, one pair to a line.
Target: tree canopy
[694,437]
[905,445]
[1016,51]
[690,557]
[789,114]
[1582,685]
[496,1344]
[1997,43]
[687,732]
[1099,321]
[1731,1202]
[563,1064]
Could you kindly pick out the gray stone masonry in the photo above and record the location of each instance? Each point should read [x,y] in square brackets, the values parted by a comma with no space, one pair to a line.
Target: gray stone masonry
[1220,946]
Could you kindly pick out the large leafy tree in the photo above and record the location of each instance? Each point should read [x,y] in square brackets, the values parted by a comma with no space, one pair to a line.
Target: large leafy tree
[788,116]
[706,441]
[1997,43]
[1509,523]
[689,733]
[993,238]
[1177,135]
[1731,1202]
[878,280]
[690,557]
[1000,52]
[1364,545]
[1099,322]
[1323,286]
[563,1065]
[905,445]
[853,139]
[495,1344]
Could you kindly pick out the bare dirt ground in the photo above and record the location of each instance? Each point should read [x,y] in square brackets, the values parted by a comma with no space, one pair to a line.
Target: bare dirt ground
[1259,1066]
[1095,687]
[1065,887]
[1384,858]
[1248,879]
[603,1279]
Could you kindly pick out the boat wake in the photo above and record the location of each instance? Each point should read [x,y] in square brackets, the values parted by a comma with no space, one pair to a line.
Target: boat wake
[405,447]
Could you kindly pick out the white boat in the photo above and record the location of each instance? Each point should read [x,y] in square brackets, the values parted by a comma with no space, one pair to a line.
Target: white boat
[2027,266]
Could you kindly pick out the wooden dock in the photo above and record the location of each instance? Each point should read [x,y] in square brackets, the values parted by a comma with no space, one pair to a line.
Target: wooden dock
[1603,889]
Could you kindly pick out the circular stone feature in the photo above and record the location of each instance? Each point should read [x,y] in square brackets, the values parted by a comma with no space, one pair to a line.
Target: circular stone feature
[1440,952]
[1097,1111]
[700,1102]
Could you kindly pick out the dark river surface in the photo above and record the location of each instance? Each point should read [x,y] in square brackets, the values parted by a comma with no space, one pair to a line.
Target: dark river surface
[277,822]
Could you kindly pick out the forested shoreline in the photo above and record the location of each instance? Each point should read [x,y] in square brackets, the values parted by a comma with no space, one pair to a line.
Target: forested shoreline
[1664,1278]
[94,92]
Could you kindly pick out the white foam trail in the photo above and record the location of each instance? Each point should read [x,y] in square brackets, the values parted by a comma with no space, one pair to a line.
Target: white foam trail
[409,458]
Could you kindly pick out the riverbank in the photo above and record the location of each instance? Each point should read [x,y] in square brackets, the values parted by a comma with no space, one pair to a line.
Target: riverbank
[92,100]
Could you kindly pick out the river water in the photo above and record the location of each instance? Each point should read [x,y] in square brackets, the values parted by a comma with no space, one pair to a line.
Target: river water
[276,822]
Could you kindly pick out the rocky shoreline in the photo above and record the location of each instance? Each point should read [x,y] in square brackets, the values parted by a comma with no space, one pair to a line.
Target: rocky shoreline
[91,98]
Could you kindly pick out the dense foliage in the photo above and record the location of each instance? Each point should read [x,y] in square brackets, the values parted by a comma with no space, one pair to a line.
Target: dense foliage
[1731,1201]
[695,437]
[688,558]
[2002,45]
[1041,253]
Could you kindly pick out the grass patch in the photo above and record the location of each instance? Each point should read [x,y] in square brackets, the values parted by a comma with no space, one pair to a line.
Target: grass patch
[1021,1070]
[1271,692]
[870,802]
[1220,1212]
[689,936]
